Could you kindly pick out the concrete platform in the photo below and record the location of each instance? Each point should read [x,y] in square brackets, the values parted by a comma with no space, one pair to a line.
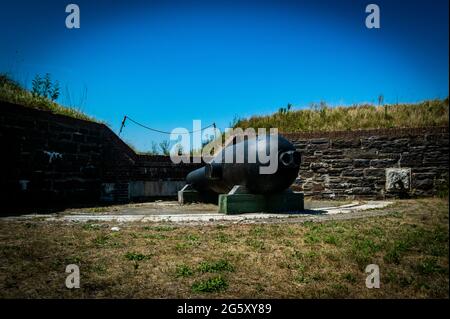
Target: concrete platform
[171,211]
[240,201]
[286,202]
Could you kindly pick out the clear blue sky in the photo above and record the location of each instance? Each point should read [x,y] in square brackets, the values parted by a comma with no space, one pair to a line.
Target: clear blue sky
[166,63]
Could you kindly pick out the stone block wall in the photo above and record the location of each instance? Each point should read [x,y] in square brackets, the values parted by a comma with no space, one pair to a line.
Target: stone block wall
[373,163]
[52,160]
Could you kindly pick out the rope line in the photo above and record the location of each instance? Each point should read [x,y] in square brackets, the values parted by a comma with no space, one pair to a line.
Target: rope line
[159,131]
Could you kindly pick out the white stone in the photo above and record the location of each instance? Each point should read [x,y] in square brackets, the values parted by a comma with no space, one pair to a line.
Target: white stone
[398,179]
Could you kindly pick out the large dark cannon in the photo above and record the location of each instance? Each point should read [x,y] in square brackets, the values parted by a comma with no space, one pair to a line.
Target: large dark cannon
[250,171]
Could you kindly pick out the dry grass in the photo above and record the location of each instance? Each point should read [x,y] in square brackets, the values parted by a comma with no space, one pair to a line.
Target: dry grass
[309,260]
[324,118]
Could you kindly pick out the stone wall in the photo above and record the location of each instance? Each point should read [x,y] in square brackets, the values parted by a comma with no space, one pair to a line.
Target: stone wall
[373,163]
[50,159]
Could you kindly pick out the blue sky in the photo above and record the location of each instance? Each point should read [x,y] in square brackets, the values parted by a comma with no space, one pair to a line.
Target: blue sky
[166,63]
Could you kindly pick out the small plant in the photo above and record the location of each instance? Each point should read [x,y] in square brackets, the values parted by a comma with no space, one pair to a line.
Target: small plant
[73,260]
[183,271]
[223,238]
[210,285]
[312,238]
[165,147]
[154,236]
[394,254]
[163,228]
[301,278]
[429,266]
[218,266]
[99,268]
[349,277]
[44,87]
[256,244]
[257,231]
[154,149]
[101,240]
[181,246]
[91,227]
[135,256]
[364,250]
[193,240]
[330,239]
[442,190]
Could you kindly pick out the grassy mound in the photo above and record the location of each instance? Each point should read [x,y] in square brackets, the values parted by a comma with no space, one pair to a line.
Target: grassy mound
[325,118]
[12,92]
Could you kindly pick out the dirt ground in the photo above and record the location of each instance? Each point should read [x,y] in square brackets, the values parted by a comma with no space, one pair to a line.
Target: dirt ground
[283,258]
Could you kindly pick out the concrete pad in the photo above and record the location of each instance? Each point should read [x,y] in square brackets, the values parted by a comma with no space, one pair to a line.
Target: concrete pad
[169,214]
[286,202]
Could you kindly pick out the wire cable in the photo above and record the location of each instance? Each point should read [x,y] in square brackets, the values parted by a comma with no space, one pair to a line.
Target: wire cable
[159,131]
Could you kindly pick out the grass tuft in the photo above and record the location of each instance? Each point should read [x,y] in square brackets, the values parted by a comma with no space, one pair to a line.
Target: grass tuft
[183,271]
[136,256]
[218,266]
[210,285]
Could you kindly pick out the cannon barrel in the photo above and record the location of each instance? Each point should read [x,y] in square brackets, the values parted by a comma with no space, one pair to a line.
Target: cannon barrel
[219,176]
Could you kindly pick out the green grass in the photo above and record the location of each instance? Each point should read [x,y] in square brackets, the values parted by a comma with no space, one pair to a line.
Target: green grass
[91,226]
[183,271]
[343,118]
[135,256]
[12,92]
[223,238]
[262,260]
[101,240]
[210,285]
[255,244]
[217,266]
[164,228]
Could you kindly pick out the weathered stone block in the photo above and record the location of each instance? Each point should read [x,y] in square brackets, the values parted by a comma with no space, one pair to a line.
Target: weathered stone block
[317,165]
[78,137]
[382,162]
[423,184]
[339,163]
[374,172]
[346,143]
[398,179]
[357,163]
[360,191]
[319,141]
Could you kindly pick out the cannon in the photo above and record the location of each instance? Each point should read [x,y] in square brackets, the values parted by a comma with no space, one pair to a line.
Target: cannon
[256,171]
